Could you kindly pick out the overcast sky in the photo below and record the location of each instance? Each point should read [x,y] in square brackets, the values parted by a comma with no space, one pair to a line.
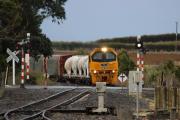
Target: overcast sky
[88,20]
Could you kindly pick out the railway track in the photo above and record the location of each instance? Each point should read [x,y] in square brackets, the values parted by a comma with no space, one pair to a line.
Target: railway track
[36,109]
[57,107]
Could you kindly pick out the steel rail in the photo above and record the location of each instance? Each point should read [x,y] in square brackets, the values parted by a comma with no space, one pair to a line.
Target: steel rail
[68,101]
[65,103]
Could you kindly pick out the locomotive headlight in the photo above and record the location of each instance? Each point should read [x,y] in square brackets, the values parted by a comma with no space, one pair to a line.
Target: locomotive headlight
[104,49]
[113,71]
[94,71]
[139,45]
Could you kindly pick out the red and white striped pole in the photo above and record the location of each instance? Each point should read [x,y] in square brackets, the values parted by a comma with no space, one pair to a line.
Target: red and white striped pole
[140,57]
[22,68]
[138,61]
[28,58]
[27,66]
[142,66]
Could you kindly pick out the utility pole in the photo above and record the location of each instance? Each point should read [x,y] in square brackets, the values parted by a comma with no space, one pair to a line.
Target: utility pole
[176,44]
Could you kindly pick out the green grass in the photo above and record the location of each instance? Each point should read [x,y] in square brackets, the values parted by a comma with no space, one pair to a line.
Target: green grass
[37,78]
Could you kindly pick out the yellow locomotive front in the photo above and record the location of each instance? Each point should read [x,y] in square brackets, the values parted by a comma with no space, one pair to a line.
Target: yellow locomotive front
[103,66]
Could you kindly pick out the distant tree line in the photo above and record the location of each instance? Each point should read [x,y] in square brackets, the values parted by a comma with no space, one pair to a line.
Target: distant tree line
[164,42]
[144,38]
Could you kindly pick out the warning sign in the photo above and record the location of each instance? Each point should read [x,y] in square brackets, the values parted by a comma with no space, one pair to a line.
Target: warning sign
[122,77]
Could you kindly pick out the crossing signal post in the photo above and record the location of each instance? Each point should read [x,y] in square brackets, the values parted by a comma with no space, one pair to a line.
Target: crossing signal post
[140,55]
[28,57]
[140,68]
[139,43]
[22,45]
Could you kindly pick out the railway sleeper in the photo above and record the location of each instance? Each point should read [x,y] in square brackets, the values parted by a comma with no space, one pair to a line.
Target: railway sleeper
[76,80]
[87,110]
[110,111]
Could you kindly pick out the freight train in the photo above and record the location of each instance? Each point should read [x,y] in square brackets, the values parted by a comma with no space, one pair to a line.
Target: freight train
[101,65]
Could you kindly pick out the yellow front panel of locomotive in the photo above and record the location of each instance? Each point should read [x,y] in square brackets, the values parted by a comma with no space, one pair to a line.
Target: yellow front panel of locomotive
[101,70]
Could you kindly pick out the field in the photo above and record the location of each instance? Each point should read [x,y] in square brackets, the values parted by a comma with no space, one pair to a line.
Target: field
[156,58]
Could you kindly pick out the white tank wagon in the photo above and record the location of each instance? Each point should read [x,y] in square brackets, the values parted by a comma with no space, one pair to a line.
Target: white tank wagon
[75,60]
[71,65]
[80,64]
[83,66]
[77,69]
[77,66]
[68,66]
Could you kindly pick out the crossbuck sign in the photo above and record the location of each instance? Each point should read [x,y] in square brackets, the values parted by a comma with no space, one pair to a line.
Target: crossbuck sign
[13,57]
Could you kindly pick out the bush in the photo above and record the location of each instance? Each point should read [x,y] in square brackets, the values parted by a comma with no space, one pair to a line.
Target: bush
[151,76]
[177,73]
[171,74]
[124,62]
[35,78]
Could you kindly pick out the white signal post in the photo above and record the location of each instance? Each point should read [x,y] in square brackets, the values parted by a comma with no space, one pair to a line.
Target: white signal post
[13,63]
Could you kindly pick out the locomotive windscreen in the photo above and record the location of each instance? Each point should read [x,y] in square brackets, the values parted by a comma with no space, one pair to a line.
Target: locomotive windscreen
[103,56]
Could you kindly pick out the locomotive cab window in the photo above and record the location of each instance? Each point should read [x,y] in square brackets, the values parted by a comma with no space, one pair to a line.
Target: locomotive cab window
[103,57]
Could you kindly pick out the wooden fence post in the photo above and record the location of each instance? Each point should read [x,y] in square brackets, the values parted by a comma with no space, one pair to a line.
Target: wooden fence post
[157,97]
[178,102]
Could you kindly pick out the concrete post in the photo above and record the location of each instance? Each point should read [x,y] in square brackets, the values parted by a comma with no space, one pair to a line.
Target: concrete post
[100,89]
[101,101]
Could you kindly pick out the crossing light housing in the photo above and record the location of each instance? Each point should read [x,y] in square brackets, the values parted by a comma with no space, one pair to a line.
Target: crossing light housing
[139,43]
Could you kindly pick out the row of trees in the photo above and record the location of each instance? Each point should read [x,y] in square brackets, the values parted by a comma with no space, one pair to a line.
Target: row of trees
[144,38]
[164,42]
[158,46]
[18,17]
